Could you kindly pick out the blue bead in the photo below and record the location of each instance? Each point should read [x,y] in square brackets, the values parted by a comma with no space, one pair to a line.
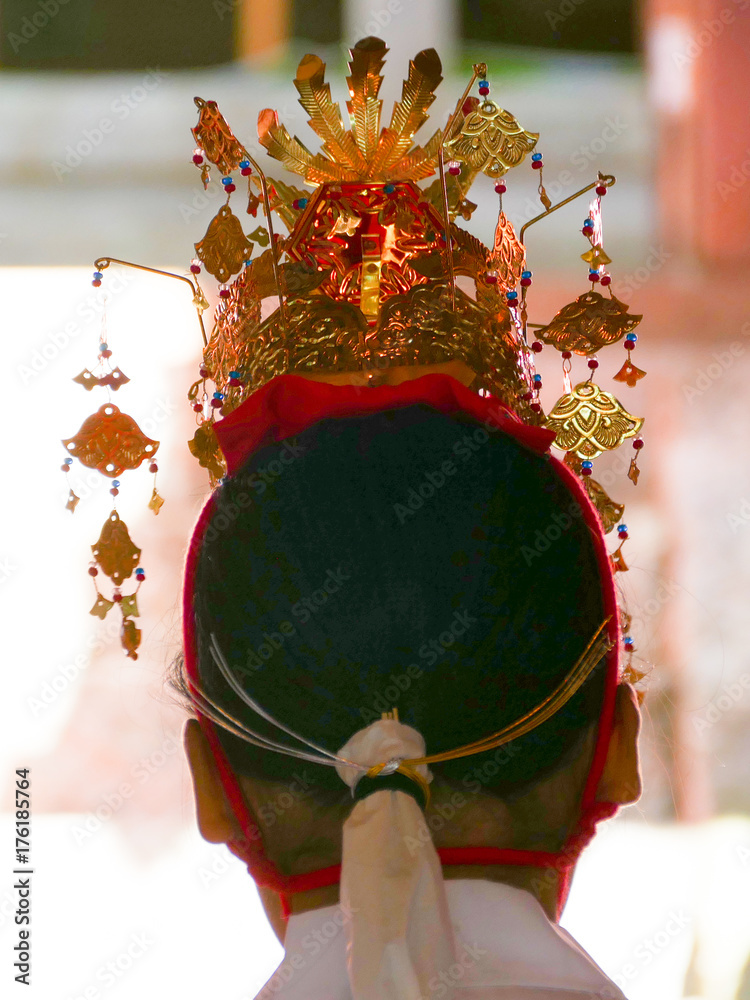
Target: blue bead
[226,180]
[622,527]
[389,188]
[140,570]
[68,461]
[98,275]
[536,156]
[302,202]
[233,375]
[512,295]
[218,395]
[627,639]
[103,347]
[587,465]
[632,337]
[525,274]
[244,163]
[115,483]
[537,378]
[224,480]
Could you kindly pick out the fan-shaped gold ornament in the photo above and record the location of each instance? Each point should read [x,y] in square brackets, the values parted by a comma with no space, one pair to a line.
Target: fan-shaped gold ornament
[115,552]
[629,374]
[591,322]
[589,421]
[491,140]
[609,511]
[110,442]
[224,248]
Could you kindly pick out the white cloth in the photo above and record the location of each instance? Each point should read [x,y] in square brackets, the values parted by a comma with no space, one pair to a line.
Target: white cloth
[396,920]
[506,949]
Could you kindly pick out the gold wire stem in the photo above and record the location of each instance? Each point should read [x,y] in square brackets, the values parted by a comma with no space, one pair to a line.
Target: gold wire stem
[103,262]
[545,710]
[274,251]
[606,179]
[480,69]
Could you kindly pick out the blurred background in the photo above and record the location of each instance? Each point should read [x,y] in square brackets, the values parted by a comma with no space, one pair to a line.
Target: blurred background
[96,106]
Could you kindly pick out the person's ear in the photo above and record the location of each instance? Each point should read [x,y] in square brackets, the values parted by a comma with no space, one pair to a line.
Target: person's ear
[216,821]
[621,778]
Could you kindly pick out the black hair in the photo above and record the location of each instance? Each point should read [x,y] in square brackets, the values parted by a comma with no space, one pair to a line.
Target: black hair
[406,559]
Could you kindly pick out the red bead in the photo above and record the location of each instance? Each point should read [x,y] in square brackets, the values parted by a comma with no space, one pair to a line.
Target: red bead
[629,344]
[536,165]
[527,396]
[629,647]
[117,597]
[140,577]
[638,444]
[107,353]
[622,535]
[230,187]
[96,282]
[153,467]
[93,571]
[235,381]
[198,407]
[195,268]
[601,189]
[217,403]
[537,346]
[490,278]
[225,293]
[594,277]
[454,171]
[567,355]
[593,364]
[586,472]
[605,279]
[246,171]
[536,407]
[197,159]
[500,188]
[114,491]
[525,282]
[204,372]
[587,231]
[65,468]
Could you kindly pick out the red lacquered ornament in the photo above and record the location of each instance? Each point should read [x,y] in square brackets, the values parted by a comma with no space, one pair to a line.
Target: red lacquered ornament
[593,364]
[601,190]
[195,268]
[605,279]
[537,346]
[638,444]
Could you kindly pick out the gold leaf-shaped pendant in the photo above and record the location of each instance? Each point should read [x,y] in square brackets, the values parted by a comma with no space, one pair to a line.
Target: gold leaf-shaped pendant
[588,324]
[508,256]
[205,447]
[156,502]
[224,248]
[110,442]
[214,136]
[629,374]
[130,637]
[589,421]
[129,606]
[490,140]
[596,257]
[609,511]
[633,472]
[73,502]
[101,607]
[618,561]
[115,553]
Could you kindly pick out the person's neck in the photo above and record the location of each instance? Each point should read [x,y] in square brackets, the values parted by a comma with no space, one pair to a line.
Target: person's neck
[542,883]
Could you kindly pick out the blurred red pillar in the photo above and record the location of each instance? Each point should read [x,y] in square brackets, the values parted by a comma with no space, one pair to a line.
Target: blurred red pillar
[699,72]
[262,29]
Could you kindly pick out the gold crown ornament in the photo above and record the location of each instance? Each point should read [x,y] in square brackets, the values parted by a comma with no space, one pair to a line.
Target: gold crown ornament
[376,280]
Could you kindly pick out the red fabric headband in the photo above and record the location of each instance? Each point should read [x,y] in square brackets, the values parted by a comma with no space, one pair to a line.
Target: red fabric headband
[282,408]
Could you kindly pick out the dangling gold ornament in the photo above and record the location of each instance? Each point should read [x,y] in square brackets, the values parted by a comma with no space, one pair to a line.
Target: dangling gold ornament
[224,248]
[589,421]
[588,324]
[490,140]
